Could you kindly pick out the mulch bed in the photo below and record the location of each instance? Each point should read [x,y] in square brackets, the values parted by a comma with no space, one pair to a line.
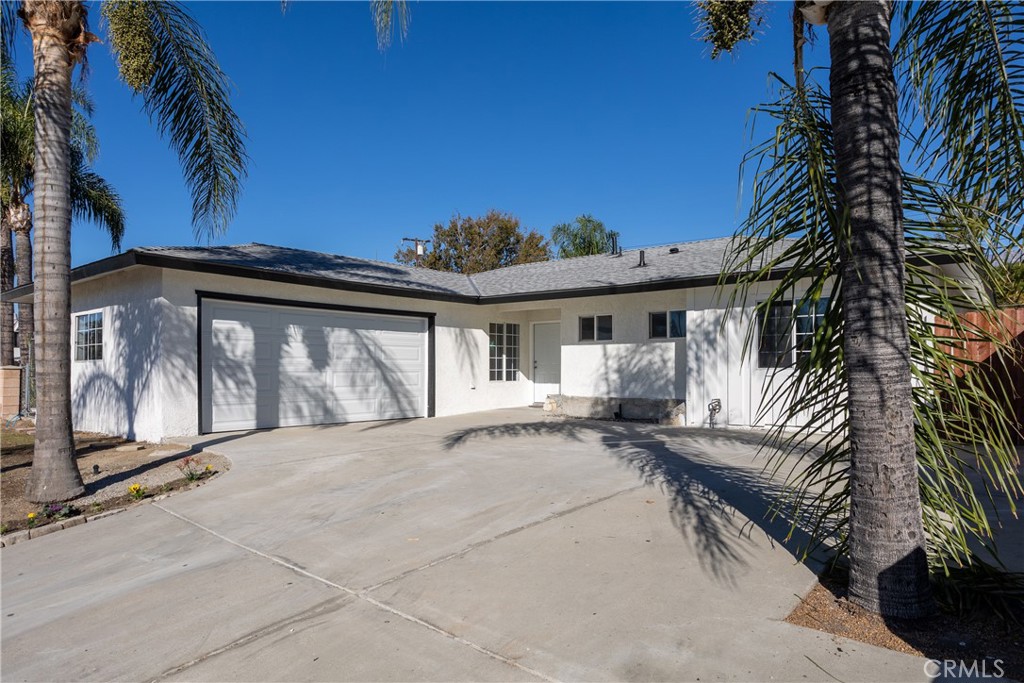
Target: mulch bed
[981,638]
[109,465]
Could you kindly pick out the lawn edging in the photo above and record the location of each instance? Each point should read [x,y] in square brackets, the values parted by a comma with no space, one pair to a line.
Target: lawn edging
[46,529]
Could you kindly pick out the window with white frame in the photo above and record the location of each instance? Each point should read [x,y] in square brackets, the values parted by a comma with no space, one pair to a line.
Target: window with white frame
[89,336]
[666,324]
[596,328]
[810,315]
[504,352]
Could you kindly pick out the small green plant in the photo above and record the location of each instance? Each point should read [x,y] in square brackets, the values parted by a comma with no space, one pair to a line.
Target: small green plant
[31,519]
[60,511]
[190,466]
[137,491]
[3,529]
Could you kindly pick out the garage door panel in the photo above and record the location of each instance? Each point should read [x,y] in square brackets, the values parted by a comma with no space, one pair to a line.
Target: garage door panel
[304,412]
[412,354]
[267,366]
[357,409]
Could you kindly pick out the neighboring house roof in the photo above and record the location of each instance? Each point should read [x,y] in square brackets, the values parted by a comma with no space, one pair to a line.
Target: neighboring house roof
[670,266]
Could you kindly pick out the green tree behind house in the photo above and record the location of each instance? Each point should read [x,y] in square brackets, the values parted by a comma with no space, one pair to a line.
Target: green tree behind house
[472,245]
[585,236]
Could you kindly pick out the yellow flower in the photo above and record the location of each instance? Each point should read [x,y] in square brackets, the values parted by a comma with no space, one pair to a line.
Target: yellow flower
[209,468]
[31,515]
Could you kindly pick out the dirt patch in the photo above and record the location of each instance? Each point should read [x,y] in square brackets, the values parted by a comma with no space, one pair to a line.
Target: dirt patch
[983,638]
[109,466]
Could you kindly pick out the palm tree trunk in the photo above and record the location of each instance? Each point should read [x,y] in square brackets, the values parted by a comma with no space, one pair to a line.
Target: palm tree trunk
[888,564]
[20,217]
[6,282]
[57,32]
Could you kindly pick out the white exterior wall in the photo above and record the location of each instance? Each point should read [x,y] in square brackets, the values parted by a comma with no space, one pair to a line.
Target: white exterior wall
[631,365]
[461,360]
[123,393]
[146,386]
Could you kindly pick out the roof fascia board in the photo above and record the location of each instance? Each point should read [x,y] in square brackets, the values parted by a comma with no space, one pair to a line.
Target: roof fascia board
[175,263]
[88,271]
[141,258]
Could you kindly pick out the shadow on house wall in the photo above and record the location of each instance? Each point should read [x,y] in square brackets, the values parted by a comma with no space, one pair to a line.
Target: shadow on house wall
[150,362]
[646,370]
[295,369]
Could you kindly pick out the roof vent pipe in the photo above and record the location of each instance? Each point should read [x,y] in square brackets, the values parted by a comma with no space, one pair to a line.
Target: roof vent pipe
[643,261]
[615,243]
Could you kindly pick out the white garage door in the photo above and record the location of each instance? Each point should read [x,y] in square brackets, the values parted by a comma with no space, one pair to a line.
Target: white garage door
[277,366]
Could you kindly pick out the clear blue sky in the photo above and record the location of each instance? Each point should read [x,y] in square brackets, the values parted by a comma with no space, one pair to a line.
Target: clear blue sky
[545,110]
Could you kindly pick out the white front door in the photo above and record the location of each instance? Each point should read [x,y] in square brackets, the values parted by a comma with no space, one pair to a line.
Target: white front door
[547,360]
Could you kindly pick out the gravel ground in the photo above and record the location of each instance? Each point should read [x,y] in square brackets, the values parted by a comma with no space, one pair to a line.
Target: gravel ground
[107,484]
[108,466]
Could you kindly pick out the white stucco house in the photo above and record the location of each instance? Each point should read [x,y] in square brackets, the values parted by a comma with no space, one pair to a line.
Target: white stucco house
[173,341]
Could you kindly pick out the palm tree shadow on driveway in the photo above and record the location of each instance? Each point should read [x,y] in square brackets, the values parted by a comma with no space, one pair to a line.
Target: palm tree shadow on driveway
[718,495]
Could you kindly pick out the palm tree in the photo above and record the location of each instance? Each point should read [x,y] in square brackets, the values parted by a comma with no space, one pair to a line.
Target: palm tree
[889,478]
[888,561]
[92,197]
[6,282]
[163,56]
[586,236]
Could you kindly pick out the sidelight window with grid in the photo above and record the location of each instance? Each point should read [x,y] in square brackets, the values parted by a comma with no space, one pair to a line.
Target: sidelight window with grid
[89,336]
[504,352]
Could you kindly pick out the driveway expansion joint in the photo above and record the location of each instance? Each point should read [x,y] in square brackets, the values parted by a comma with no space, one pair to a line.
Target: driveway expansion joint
[504,534]
[349,591]
[330,605]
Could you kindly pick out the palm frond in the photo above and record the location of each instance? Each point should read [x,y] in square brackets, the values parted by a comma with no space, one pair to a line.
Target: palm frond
[9,25]
[17,134]
[187,94]
[963,64]
[95,200]
[964,434]
[389,15]
[83,133]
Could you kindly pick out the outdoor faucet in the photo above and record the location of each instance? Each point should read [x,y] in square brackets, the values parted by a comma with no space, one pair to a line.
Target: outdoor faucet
[714,408]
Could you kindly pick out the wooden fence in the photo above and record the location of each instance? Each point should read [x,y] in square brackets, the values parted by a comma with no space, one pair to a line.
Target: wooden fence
[1007,366]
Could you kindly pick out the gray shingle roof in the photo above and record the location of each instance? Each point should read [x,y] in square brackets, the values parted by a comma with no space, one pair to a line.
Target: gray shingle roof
[670,266]
[298,262]
[681,263]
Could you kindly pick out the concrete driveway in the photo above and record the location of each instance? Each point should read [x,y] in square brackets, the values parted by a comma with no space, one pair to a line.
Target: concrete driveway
[496,546]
